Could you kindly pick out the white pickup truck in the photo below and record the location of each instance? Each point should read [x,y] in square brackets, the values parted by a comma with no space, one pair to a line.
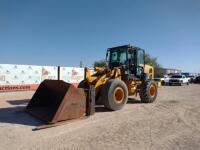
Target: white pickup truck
[164,80]
[178,80]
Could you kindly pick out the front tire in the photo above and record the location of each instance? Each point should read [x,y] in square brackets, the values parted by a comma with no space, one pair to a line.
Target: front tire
[114,94]
[83,84]
[148,92]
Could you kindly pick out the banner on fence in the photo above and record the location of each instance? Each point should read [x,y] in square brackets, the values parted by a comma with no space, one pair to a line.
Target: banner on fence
[28,77]
[24,77]
[72,74]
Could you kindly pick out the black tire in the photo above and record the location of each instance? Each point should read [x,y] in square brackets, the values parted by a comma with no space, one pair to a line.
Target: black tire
[108,94]
[145,94]
[162,82]
[83,84]
[187,83]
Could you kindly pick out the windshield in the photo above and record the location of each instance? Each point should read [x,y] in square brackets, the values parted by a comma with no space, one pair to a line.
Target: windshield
[118,56]
[176,76]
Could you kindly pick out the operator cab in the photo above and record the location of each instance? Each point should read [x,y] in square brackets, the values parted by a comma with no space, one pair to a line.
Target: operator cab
[130,59]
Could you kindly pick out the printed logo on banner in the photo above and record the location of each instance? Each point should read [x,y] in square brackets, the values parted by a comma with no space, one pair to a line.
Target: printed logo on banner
[74,76]
[2,78]
[49,72]
[45,74]
[15,67]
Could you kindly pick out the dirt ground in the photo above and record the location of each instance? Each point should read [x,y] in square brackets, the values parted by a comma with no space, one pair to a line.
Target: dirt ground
[171,123]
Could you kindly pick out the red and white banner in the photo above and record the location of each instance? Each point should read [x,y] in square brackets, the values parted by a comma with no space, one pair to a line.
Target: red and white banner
[28,77]
[72,75]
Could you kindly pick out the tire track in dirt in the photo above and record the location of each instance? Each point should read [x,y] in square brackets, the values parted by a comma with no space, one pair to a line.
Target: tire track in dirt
[173,132]
[192,117]
[180,141]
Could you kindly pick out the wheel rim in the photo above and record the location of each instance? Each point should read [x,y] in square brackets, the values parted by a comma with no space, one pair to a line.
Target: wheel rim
[118,95]
[152,90]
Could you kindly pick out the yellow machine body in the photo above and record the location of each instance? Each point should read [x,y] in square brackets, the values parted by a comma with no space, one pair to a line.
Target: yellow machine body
[102,75]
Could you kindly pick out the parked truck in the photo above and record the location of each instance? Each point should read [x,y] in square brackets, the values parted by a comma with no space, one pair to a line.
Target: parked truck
[178,80]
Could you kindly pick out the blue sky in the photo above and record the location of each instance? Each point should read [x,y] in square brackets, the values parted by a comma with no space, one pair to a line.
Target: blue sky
[65,32]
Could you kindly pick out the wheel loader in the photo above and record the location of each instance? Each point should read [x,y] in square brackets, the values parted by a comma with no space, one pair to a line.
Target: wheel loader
[126,74]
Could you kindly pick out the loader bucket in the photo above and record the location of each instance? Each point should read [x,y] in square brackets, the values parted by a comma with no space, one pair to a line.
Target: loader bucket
[56,100]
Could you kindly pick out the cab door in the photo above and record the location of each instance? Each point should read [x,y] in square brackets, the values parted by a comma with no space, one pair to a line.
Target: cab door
[140,62]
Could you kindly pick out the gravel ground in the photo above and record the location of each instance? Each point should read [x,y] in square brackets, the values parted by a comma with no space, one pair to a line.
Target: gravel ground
[171,123]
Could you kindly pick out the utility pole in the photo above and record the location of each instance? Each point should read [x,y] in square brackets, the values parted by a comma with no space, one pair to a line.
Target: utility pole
[81,64]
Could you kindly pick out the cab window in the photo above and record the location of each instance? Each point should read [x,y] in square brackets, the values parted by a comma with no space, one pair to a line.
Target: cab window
[140,58]
[118,56]
[131,57]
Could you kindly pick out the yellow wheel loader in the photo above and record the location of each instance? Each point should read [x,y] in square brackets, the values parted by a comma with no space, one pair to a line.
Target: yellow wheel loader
[126,75]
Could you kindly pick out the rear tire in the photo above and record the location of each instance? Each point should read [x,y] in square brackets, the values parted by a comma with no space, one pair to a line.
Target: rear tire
[148,92]
[114,94]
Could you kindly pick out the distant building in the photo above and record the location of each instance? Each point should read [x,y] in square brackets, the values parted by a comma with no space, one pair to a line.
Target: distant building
[167,71]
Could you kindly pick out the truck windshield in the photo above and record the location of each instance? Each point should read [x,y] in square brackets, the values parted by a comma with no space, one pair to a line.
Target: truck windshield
[176,77]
